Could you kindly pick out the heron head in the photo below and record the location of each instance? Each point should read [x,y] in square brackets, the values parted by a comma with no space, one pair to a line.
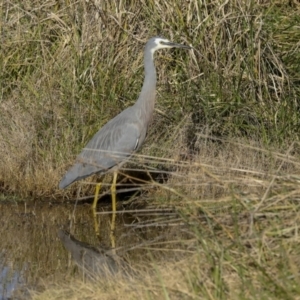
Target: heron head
[157,43]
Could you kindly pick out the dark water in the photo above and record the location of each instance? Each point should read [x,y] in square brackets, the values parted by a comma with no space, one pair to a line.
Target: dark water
[31,254]
[30,250]
[11,277]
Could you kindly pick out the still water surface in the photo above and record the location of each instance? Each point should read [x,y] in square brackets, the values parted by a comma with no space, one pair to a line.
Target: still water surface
[31,254]
[30,251]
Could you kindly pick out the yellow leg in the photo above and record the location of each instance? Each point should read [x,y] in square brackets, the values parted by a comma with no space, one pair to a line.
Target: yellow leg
[114,209]
[94,209]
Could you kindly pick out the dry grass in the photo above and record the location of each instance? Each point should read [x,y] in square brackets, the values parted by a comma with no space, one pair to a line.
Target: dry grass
[172,281]
[230,117]
[67,69]
[235,234]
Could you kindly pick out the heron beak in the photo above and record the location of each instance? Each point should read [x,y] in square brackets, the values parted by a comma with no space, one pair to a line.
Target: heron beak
[174,45]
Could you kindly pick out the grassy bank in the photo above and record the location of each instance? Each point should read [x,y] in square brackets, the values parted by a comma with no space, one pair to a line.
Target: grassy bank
[226,127]
[235,234]
[68,69]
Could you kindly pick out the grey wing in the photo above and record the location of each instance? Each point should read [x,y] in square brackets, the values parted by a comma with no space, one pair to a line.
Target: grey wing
[110,146]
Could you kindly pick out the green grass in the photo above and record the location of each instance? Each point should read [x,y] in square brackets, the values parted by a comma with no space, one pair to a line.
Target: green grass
[68,69]
[226,125]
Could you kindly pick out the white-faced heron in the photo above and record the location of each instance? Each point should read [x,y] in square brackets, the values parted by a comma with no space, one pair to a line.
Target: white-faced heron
[119,138]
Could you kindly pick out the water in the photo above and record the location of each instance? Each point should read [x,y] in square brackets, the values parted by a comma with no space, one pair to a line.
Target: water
[28,237]
[10,279]
[31,254]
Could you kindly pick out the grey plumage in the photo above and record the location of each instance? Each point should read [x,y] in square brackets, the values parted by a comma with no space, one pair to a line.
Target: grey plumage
[95,262]
[109,147]
[113,144]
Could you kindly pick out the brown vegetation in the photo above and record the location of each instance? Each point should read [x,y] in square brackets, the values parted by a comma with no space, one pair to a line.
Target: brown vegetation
[226,129]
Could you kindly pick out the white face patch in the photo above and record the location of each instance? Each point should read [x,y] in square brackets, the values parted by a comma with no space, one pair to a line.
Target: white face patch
[159,45]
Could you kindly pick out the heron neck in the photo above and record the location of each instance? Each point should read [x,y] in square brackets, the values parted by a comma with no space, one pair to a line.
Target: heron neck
[146,98]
